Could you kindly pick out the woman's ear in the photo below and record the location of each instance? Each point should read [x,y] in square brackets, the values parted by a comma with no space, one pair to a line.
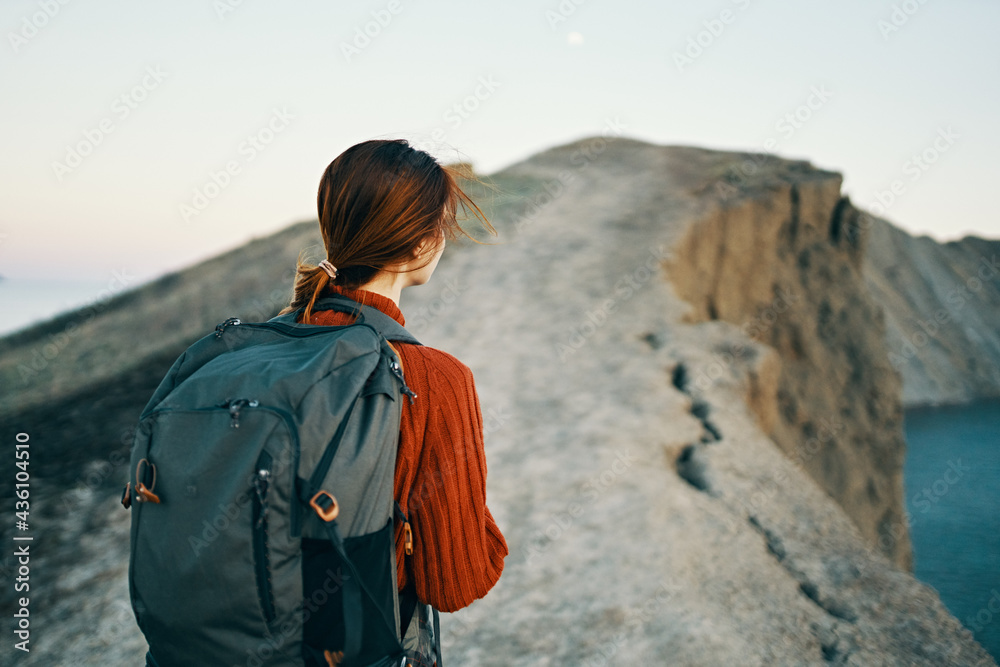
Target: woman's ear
[427,245]
[420,249]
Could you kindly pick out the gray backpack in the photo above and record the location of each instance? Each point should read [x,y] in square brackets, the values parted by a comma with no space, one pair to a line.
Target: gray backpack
[261,488]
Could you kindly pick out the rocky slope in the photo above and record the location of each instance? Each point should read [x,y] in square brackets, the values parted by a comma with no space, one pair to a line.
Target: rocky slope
[641,438]
[780,256]
[942,305]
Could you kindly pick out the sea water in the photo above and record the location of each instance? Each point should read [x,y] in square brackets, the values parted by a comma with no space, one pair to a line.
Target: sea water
[952,482]
[28,301]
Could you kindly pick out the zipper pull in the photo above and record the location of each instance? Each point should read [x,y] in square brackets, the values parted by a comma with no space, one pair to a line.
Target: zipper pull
[221,329]
[260,484]
[235,405]
[398,372]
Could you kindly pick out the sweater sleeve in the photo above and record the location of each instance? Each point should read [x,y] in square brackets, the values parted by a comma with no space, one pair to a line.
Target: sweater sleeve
[458,550]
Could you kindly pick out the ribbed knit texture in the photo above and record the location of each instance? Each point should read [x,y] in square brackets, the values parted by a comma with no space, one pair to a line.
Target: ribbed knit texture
[440,479]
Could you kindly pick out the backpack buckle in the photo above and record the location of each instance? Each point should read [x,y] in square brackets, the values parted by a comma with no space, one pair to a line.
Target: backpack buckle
[326,506]
[144,494]
[407,539]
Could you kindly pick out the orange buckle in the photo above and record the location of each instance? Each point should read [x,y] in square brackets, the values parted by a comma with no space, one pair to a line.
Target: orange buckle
[142,492]
[330,510]
[144,495]
[408,538]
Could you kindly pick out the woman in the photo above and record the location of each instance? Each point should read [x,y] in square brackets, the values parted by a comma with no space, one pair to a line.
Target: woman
[385,211]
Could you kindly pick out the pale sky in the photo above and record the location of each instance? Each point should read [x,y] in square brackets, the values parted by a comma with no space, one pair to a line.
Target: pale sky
[116,114]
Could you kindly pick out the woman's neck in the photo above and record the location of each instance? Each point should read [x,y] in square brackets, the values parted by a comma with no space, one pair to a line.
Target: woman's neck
[387,284]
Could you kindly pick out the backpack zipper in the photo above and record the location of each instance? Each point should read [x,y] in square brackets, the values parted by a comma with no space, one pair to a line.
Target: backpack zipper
[260,484]
[235,405]
[289,424]
[315,330]
[221,329]
[403,387]
[301,331]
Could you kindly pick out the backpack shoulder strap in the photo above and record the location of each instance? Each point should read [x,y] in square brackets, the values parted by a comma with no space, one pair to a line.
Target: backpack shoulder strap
[385,325]
[389,328]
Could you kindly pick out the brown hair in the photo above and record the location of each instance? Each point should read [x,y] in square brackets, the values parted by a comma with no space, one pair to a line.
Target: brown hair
[377,201]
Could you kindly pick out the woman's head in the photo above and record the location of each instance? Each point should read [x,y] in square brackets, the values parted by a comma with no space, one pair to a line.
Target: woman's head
[383,206]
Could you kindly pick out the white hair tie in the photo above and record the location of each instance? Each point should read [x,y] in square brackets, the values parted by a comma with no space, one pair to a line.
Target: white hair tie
[330,269]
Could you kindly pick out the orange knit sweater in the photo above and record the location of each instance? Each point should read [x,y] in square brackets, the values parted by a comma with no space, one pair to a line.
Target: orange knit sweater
[440,479]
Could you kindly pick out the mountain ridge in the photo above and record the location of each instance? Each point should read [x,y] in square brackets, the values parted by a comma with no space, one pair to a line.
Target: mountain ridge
[625,474]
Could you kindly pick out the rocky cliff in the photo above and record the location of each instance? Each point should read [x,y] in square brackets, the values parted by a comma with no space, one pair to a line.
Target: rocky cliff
[779,254]
[942,305]
[692,423]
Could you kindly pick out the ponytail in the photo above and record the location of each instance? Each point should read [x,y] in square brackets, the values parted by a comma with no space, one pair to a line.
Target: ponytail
[376,203]
[310,282]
